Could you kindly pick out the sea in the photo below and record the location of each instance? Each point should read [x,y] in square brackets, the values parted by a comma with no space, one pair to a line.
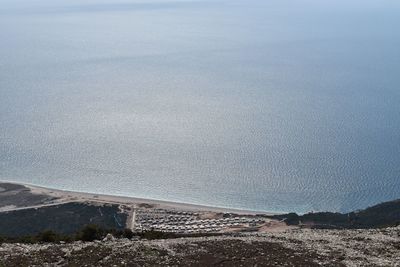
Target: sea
[267,105]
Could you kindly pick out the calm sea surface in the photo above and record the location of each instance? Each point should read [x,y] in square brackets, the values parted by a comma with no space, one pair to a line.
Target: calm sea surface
[275,105]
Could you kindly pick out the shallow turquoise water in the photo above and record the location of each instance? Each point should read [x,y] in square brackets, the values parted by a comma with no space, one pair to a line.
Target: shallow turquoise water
[270,105]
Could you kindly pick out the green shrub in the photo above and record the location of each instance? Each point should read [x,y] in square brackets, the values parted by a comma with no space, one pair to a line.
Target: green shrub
[156,235]
[48,236]
[127,233]
[90,232]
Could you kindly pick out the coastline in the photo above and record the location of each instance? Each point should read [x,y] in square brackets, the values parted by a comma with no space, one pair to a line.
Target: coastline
[63,196]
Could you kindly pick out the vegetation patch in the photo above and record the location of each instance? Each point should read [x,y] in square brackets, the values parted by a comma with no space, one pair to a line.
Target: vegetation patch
[379,216]
[63,219]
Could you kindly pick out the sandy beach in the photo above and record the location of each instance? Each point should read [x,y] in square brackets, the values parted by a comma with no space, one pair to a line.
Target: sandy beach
[137,214]
[57,196]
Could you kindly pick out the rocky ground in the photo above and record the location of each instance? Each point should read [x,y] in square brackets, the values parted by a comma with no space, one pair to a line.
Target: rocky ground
[297,247]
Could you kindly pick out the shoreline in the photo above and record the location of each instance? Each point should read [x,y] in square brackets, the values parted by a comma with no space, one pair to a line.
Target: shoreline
[62,196]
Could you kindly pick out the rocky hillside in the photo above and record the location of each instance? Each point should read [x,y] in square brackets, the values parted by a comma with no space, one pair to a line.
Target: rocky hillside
[296,247]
